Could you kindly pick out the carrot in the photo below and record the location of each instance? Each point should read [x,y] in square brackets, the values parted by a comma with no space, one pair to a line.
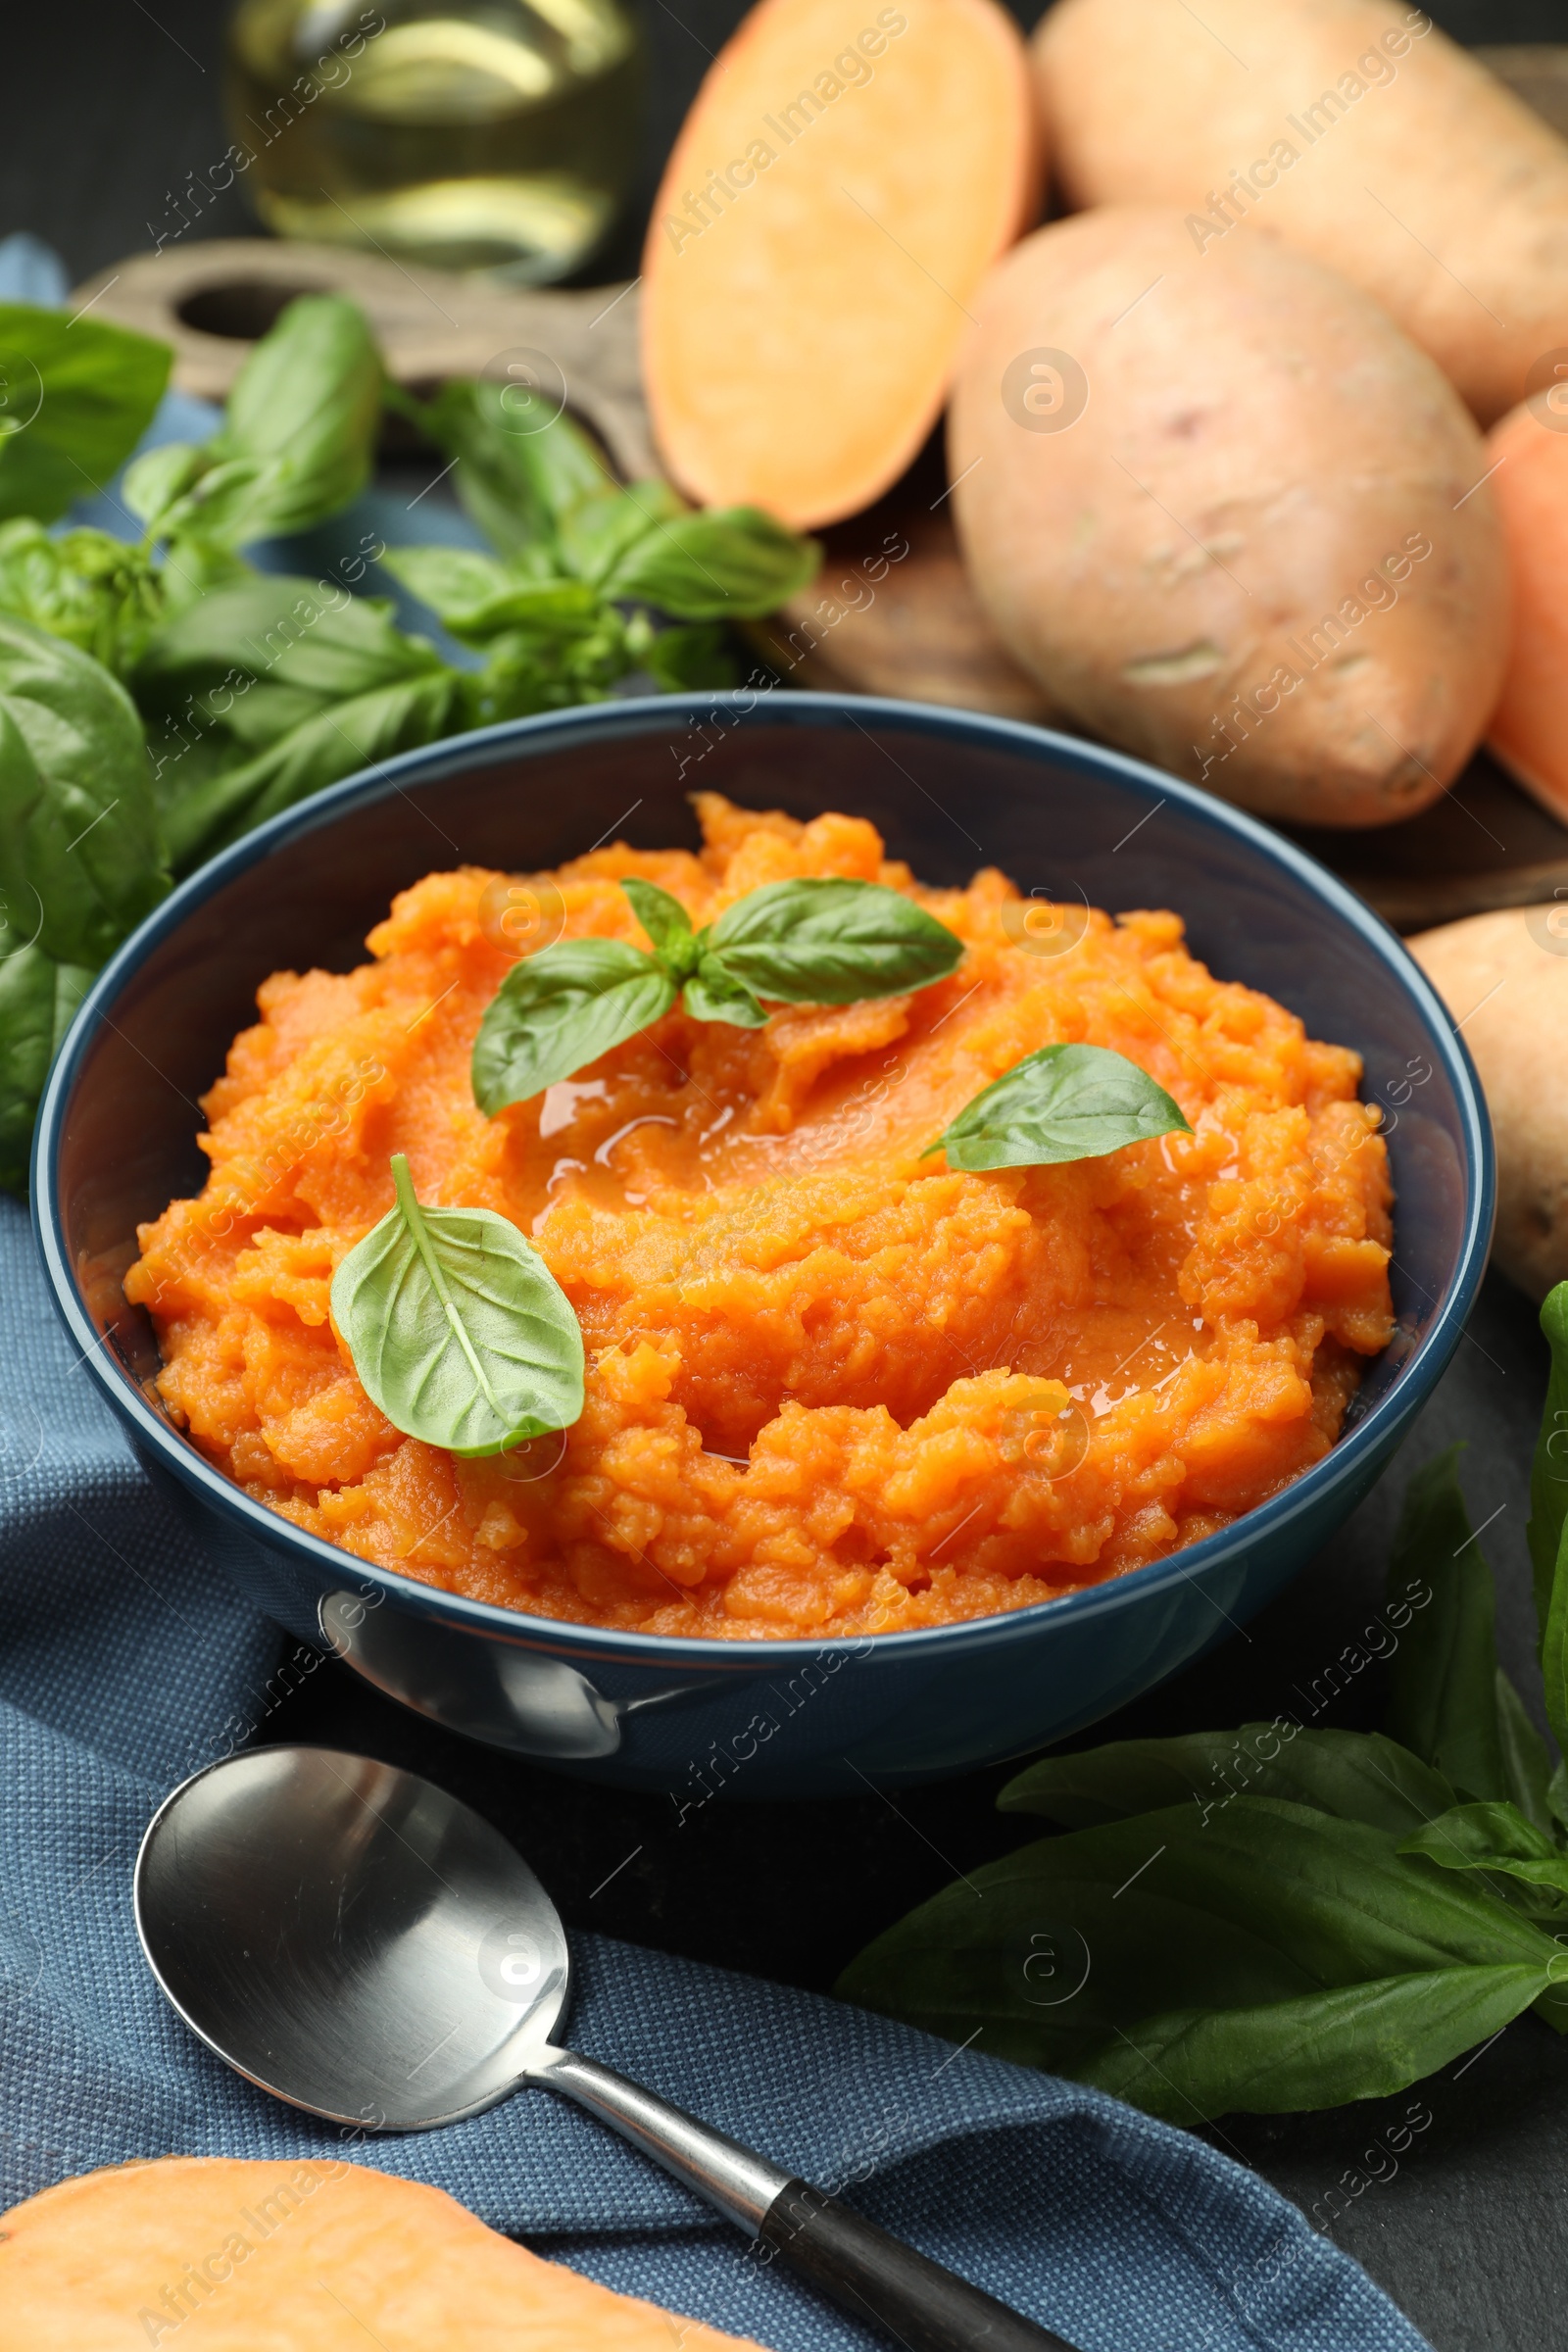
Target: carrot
[1529,730]
[843,181]
[322,2256]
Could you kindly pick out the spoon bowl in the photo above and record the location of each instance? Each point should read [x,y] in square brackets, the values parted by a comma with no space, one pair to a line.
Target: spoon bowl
[350,1937]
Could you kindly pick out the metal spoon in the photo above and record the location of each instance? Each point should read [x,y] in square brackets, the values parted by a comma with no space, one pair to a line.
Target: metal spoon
[357,1942]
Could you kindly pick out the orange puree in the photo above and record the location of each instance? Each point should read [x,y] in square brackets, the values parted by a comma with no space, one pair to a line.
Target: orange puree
[832,1386]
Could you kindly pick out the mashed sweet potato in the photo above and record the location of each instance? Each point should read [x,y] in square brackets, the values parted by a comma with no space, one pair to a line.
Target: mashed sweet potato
[833,1387]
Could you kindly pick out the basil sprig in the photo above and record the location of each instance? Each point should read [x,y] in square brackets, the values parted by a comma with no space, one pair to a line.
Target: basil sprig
[1284,1917]
[78,396]
[457,1330]
[1065,1103]
[817,940]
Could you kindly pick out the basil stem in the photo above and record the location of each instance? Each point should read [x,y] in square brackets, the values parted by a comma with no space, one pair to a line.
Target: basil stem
[457,1330]
[1063,1104]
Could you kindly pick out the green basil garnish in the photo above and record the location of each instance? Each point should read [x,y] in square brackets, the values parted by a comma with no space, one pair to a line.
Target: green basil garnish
[813,942]
[1065,1103]
[561,1009]
[827,942]
[457,1330]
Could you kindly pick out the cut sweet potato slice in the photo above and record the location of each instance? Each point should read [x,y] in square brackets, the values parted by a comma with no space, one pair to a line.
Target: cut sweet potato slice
[312,2257]
[847,175]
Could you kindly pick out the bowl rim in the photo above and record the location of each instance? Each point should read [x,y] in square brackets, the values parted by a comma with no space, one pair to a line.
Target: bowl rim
[631,716]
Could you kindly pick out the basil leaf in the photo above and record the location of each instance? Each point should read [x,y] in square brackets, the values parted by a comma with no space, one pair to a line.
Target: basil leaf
[334,744]
[227,502]
[1549,1472]
[730,563]
[822,941]
[515,485]
[1443,1679]
[459,1332]
[79,394]
[691,661]
[477,598]
[712,994]
[1496,1838]
[274,631]
[160,478]
[1356,1776]
[1549,1528]
[305,408]
[600,533]
[1526,1763]
[1323,2049]
[667,924]
[78,826]
[1065,1103]
[558,1011]
[1259,1955]
[38,1000]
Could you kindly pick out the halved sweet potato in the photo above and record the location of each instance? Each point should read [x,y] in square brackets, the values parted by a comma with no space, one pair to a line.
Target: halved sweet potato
[310,2257]
[840,187]
[1529,731]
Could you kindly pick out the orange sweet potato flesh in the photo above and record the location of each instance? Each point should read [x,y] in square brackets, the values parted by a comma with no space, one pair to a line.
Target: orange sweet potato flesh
[325,2256]
[1529,730]
[843,181]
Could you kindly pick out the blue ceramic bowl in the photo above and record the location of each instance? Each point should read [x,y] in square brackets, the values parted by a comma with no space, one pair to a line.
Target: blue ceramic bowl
[950,791]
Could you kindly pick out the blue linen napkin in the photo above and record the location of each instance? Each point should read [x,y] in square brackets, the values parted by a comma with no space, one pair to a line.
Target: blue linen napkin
[128,1661]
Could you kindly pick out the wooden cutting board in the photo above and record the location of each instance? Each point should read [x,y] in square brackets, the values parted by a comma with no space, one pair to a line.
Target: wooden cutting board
[892,611]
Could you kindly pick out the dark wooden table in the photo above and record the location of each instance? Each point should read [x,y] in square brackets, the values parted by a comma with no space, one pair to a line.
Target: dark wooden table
[110,106]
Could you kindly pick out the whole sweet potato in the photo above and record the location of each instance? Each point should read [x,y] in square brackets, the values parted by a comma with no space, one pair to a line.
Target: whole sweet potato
[1352,130]
[1504,977]
[1229,517]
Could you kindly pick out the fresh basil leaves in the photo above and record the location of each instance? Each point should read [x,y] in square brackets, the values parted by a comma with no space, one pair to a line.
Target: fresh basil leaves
[575,549]
[75,397]
[38,999]
[818,940]
[78,830]
[561,1009]
[830,942]
[1268,1911]
[457,1330]
[1063,1104]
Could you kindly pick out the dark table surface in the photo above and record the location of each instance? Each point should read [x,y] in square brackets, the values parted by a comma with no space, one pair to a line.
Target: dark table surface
[108,108]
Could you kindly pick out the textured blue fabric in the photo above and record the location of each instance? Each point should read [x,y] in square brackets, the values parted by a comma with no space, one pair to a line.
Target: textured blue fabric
[128,1661]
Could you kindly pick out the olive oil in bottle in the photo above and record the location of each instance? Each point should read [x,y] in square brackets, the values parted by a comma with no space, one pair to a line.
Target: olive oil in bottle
[469,135]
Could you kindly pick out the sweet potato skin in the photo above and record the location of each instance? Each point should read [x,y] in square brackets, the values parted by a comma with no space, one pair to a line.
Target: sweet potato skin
[1362,135]
[807,276]
[1263,555]
[1505,976]
[318,2256]
[1529,730]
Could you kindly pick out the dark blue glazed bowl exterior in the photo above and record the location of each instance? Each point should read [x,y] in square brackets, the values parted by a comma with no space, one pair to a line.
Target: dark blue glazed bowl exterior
[950,791]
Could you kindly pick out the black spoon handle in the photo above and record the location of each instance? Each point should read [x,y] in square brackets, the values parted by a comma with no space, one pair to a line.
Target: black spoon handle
[877,2278]
[870,2275]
